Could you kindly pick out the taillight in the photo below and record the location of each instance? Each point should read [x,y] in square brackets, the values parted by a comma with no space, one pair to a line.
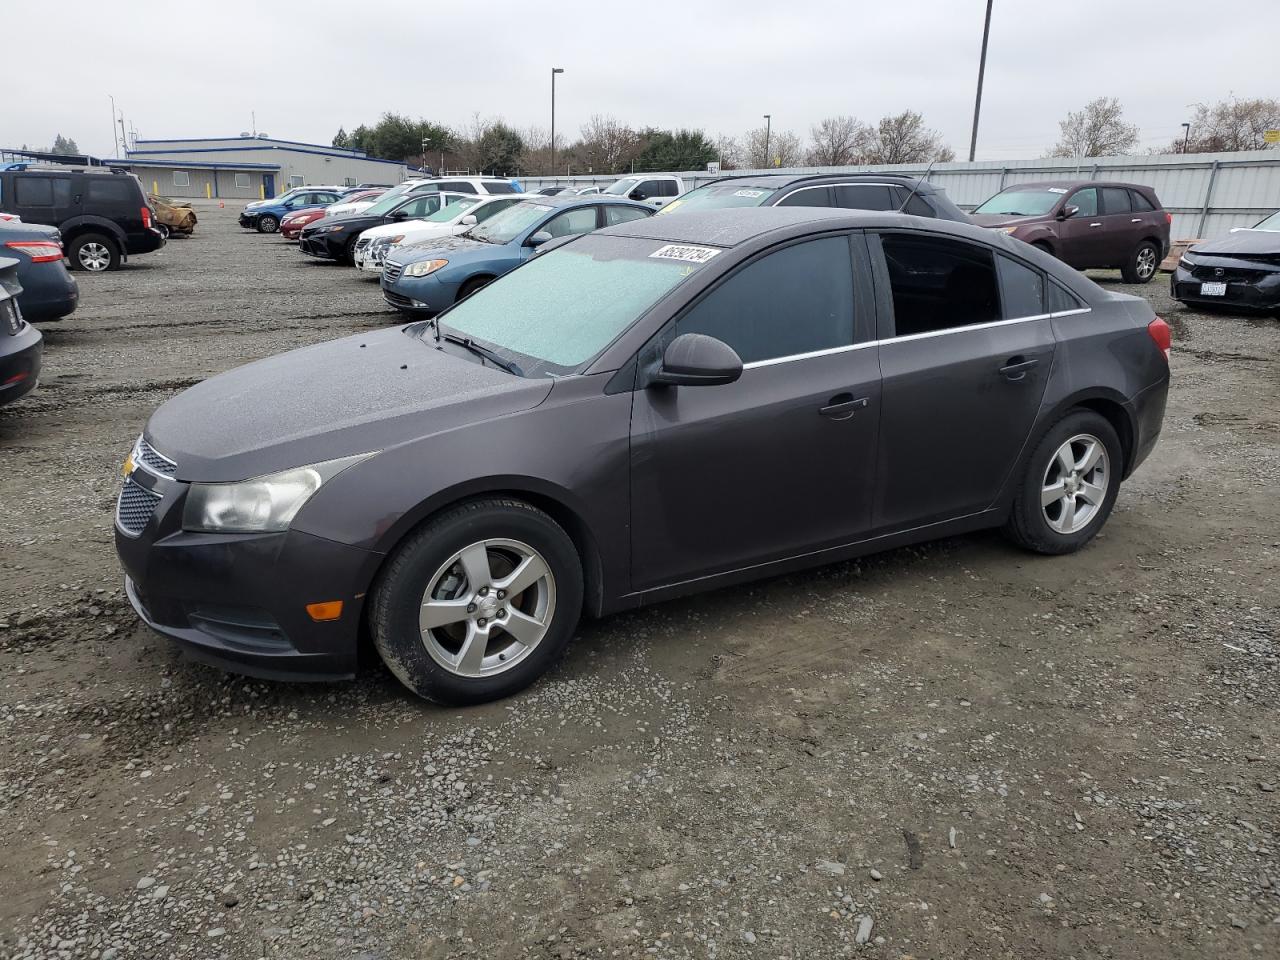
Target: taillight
[1168,218]
[40,251]
[1162,335]
[146,217]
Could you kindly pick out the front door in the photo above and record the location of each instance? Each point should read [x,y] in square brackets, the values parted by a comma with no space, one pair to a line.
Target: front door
[965,351]
[780,463]
[1080,237]
[268,184]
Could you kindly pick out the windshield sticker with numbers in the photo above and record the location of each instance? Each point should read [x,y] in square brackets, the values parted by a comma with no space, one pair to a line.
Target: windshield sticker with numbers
[680,251]
[748,193]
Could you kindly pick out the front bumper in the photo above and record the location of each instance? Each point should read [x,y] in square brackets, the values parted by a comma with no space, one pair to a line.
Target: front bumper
[237,601]
[20,356]
[326,246]
[1251,289]
[248,220]
[369,257]
[425,295]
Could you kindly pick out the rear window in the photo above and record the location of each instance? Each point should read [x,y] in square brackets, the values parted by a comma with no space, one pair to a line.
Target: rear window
[1059,298]
[1140,202]
[110,190]
[864,196]
[499,186]
[1021,289]
[1115,200]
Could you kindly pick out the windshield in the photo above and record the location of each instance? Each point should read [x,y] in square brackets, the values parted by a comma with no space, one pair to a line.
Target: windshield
[716,196]
[560,309]
[622,187]
[452,210]
[1271,223]
[1023,203]
[510,223]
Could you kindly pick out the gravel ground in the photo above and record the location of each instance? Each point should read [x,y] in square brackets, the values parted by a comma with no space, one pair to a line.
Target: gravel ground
[953,750]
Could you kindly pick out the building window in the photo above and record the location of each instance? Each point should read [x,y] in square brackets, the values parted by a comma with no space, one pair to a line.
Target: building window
[181,178]
[349,181]
[242,181]
[295,181]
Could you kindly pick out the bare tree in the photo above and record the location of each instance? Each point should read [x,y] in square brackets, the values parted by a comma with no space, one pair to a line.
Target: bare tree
[838,141]
[1098,130]
[905,139]
[784,149]
[537,149]
[607,146]
[1231,124]
[729,152]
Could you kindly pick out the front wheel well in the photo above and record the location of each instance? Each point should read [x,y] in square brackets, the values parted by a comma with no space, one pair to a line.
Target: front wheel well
[472,285]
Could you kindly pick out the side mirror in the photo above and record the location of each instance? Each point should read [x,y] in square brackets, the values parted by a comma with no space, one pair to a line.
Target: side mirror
[400,215]
[697,360]
[539,238]
[1067,212]
[469,220]
[637,194]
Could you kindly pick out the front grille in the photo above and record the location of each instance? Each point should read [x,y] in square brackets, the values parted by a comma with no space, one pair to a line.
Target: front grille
[135,507]
[361,244]
[154,461]
[1229,274]
[391,271]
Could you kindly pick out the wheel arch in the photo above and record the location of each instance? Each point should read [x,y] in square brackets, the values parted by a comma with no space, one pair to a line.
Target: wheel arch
[1112,406]
[550,498]
[78,226]
[482,275]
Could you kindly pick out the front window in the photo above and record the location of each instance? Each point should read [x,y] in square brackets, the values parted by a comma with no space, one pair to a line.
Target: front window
[388,202]
[451,211]
[1271,223]
[561,309]
[622,187]
[509,224]
[1023,203]
[717,196]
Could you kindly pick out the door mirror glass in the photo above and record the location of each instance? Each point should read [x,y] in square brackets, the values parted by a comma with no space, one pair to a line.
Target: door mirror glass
[638,194]
[469,220]
[1069,211]
[538,238]
[697,360]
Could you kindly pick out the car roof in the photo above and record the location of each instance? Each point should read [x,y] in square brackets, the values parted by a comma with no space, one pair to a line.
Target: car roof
[561,200]
[731,226]
[777,180]
[1072,184]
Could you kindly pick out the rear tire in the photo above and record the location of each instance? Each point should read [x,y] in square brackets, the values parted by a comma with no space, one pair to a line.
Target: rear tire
[478,603]
[268,224]
[1068,485]
[164,231]
[1142,263]
[94,252]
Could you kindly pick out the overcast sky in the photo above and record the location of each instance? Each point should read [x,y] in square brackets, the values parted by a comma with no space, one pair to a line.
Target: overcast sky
[305,69]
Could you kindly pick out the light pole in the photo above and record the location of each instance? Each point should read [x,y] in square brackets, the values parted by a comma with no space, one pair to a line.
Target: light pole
[554,71]
[768,128]
[1186,135]
[115,143]
[982,68]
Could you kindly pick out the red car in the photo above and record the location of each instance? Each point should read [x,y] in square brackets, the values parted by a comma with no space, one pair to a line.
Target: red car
[291,226]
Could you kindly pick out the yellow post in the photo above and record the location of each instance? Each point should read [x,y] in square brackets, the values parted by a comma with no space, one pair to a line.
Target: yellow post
[262,191]
[208,191]
[155,187]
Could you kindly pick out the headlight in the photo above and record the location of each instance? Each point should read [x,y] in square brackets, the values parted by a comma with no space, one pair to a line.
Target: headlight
[1008,231]
[335,228]
[267,504]
[1185,264]
[424,267]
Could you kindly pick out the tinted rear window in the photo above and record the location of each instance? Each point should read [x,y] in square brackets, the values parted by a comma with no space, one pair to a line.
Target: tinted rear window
[1021,289]
[864,196]
[1140,202]
[42,191]
[111,190]
[499,187]
[1115,200]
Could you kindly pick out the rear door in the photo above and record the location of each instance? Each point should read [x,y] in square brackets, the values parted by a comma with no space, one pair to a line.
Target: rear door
[782,461]
[1121,228]
[965,350]
[1080,240]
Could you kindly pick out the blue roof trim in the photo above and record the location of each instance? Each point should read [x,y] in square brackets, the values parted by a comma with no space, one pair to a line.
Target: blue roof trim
[320,153]
[296,143]
[193,164]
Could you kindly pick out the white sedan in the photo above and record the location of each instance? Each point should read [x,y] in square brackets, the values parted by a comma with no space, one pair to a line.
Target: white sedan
[456,217]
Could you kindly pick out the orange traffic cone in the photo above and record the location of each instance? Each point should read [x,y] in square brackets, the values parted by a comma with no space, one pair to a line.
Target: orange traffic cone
[221,205]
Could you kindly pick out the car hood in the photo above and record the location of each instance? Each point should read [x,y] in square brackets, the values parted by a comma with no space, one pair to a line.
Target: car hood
[345,219]
[427,249]
[336,399]
[1242,243]
[1003,219]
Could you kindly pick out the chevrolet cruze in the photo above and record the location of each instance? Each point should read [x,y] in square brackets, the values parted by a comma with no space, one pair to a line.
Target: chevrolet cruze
[664,406]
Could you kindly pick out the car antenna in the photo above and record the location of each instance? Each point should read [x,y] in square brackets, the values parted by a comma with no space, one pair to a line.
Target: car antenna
[921,180]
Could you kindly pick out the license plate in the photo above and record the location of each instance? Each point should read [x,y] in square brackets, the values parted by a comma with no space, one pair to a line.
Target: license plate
[1213,289]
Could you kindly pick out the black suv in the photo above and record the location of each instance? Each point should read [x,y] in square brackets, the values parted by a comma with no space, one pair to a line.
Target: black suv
[852,191]
[102,212]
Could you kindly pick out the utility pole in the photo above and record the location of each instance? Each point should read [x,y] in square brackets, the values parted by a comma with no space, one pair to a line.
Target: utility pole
[982,68]
[768,128]
[115,143]
[124,136]
[1186,135]
[554,71]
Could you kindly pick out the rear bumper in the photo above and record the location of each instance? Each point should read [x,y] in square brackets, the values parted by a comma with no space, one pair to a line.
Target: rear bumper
[1148,407]
[48,292]
[20,363]
[1262,294]
[146,241]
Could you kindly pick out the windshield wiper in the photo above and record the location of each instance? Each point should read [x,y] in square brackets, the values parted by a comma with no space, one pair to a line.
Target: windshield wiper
[481,351]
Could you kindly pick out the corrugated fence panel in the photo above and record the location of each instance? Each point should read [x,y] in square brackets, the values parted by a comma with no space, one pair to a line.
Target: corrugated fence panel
[1207,193]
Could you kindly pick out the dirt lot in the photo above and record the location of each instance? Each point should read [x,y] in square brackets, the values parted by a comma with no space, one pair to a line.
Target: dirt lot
[987,754]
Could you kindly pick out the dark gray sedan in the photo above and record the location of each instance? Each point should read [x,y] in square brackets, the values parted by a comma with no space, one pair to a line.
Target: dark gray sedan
[661,407]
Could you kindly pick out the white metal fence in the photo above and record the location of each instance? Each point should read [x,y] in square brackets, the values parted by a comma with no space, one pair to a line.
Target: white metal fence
[1207,193]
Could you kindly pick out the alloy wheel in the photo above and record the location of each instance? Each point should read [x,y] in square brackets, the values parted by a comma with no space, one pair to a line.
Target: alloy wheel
[487,607]
[94,256]
[1146,264]
[1075,484]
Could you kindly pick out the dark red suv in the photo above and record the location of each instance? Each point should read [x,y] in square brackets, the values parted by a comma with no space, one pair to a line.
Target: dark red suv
[1086,223]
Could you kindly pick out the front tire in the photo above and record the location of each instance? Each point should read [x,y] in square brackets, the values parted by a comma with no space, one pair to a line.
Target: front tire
[268,224]
[1142,263]
[94,252]
[1068,486]
[472,285]
[479,603]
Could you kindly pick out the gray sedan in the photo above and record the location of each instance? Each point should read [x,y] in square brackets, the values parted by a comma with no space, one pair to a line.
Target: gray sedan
[661,407]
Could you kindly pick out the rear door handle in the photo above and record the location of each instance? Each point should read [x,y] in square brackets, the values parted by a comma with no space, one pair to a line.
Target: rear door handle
[843,406]
[1016,368]
[1136,220]
[1095,224]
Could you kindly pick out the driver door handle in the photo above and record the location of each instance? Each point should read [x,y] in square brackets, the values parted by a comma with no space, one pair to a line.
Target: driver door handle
[1095,224]
[843,406]
[1016,368]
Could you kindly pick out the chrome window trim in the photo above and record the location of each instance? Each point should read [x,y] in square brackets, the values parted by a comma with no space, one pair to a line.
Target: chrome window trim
[824,186]
[911,336]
